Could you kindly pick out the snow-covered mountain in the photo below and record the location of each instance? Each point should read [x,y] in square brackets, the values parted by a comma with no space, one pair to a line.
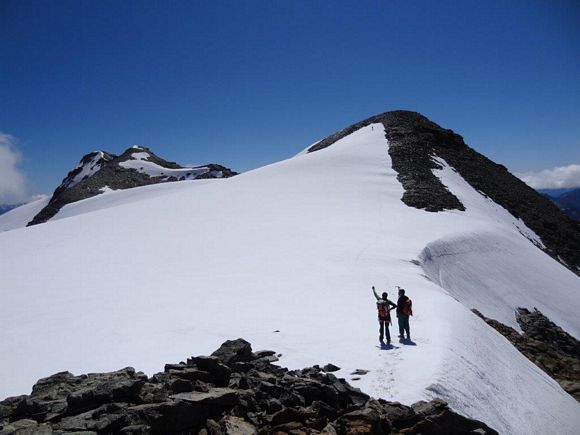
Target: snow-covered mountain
[285,257]
[100,172]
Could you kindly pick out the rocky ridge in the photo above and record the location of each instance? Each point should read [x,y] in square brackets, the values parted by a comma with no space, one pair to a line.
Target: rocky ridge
[233,391]
[137,166]
[545,344]
[415,142]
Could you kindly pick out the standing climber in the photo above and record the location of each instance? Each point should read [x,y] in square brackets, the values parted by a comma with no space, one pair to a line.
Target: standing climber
[384,306]
[404,311]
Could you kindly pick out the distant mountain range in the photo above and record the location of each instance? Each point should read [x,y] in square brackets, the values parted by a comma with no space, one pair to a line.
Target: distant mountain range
[567,199]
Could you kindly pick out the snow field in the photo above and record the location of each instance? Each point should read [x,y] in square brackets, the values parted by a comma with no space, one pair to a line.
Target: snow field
[20,216]
[295,247]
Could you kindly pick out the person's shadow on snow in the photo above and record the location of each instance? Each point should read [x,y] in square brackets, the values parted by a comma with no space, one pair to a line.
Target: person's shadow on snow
[387,347]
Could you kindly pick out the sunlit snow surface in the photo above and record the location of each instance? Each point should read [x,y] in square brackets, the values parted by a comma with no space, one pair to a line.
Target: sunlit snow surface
[20,216]
[295,247]
[139,162]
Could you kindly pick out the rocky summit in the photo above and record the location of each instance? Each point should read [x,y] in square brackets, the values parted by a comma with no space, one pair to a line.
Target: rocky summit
[100,171]
[233,391]
[415,144]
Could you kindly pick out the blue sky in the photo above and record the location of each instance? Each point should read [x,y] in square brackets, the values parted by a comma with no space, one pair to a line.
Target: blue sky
[247,83]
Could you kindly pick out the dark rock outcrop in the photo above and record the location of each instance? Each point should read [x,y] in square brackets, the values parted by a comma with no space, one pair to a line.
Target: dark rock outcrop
[545,344]
[414,142]
[234,391]
[99,170]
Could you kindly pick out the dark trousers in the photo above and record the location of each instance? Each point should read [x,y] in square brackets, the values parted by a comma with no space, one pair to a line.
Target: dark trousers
[384,330]
[404,326]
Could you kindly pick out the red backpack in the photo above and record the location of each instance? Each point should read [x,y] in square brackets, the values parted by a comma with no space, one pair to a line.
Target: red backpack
[383,311]
[407,308]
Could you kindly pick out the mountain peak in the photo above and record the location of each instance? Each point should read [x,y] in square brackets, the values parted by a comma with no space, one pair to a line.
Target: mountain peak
[99,171]
[416,147]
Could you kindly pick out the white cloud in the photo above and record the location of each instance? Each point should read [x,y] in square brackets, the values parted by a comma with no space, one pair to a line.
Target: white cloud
[556,178]
[13,186]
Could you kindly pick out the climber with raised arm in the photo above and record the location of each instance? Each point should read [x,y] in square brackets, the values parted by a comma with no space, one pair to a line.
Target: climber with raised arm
[384,307]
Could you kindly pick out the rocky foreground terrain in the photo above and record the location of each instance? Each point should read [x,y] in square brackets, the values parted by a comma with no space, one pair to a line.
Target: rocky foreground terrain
[545,344]
[233,391]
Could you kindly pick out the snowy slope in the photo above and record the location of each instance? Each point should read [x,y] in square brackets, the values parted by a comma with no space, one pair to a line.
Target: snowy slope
[496,273]
[20,216]
[139,161]
[114,198]
[295,247]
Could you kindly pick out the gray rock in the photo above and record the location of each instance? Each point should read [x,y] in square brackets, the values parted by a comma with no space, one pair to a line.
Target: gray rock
[173,416]
[216,396]
[237,426]
[192,374]
[330,368]
[25,427]
[106,418]
[218,371]
[137,429]
[234,351]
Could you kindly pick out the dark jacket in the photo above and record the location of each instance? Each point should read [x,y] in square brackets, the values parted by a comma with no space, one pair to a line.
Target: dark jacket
[400,303]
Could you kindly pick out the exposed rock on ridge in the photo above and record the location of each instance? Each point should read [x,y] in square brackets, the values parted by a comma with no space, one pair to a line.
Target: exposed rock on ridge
[414,141]
[545,344]
[137,166]
[234,391]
